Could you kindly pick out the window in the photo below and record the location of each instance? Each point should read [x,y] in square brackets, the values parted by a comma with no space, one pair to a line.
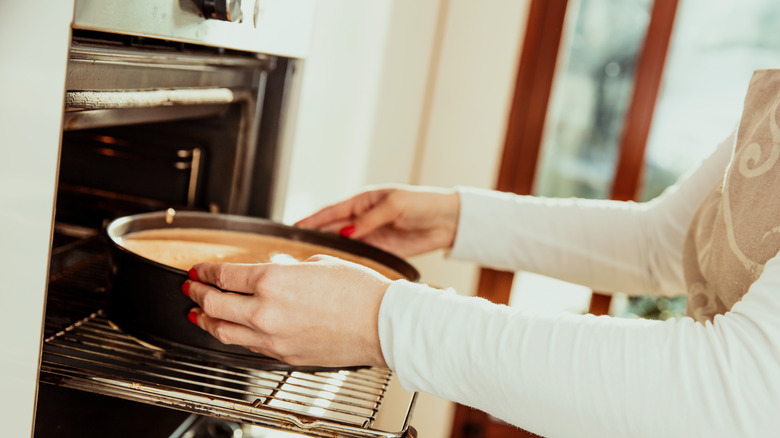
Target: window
[715,48]
[713,51]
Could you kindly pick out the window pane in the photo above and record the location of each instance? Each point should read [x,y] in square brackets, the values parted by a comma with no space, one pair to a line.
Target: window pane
[591,93]
[714,49]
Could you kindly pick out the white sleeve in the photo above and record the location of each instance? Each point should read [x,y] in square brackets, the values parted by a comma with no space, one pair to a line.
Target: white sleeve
[580,376]
[610,246]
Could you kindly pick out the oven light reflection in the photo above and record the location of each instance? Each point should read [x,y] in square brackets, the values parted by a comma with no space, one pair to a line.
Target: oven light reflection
[291,391]
[335,383]
[253,431]
[323,402]
[107,139]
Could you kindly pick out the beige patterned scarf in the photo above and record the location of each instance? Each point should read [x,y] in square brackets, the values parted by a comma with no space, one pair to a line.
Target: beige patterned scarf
[737,227]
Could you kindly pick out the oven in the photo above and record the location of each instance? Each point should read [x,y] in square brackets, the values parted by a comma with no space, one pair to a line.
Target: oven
[179,104]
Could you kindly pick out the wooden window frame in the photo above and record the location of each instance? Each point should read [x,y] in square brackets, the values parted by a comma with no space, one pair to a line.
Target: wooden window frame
[523,142]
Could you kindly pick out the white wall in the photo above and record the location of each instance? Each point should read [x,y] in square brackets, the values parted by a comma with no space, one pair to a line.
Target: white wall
[337,110]
[35,53]
[471,96]
[405,91]
[462,141]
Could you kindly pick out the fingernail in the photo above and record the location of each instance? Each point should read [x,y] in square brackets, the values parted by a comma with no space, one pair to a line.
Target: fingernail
[185,288]
[347,231]
[193,317]
[193,274]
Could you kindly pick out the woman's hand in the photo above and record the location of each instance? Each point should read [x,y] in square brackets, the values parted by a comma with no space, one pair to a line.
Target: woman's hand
[405,221]
[323,311]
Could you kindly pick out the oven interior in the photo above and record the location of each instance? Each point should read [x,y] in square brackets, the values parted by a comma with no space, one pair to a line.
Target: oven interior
[151,125]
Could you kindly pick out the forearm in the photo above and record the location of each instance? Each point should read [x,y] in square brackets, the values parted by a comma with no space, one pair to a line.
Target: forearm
[590,242]
[609,246]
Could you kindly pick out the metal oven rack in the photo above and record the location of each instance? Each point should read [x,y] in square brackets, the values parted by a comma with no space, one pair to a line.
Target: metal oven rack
[91,354]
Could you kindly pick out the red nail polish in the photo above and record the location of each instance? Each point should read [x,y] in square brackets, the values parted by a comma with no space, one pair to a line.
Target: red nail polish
[347,231]
[193,317]
[185,288]
[193,274]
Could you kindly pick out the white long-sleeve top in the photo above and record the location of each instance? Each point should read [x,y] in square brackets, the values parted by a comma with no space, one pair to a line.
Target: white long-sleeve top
[572,375]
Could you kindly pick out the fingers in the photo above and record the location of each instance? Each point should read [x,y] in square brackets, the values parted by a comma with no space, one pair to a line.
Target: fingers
[231,333]
[229,317]
[334,213]
[383,213]
[334,217]
[233,277]
[337,227]
[222,305]
[298,313]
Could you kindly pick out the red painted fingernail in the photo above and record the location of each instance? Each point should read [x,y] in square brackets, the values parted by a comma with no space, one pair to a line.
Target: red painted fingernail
[185,288]
[347,231]
[193,274]
[193,317]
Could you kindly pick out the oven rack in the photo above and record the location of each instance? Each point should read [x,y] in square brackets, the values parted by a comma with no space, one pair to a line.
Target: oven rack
[93,355]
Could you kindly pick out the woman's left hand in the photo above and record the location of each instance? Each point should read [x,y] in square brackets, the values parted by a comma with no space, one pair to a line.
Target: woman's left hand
[322,312]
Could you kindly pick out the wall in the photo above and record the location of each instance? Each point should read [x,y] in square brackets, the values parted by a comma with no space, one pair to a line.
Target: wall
[35,53]
[338,99]
[404,91]
[462,139]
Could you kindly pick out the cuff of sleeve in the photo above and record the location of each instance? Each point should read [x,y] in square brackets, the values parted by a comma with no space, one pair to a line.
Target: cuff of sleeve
[395,300]
[390,302]
[398,323]
[473,205]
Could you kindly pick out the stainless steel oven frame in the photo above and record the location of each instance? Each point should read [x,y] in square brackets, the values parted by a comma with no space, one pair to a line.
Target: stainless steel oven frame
[109,84]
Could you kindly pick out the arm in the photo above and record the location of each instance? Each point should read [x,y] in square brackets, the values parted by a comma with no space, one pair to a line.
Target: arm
[574,375]
[611,246]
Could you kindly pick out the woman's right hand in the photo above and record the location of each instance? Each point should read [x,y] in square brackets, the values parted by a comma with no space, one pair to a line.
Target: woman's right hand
[403,220]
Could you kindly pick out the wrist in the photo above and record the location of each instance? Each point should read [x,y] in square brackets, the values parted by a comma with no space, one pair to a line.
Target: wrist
[375,354]
[451,217]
